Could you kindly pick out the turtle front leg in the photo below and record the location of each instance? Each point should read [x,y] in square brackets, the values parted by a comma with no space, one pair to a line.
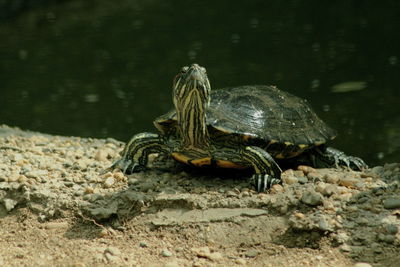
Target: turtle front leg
[267,171]
[135,154]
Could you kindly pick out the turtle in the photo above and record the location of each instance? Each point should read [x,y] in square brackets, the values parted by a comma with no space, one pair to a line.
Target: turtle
[252,126]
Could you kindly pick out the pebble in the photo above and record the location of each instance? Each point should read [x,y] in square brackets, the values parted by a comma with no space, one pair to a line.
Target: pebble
[166,253]
[36,173]
[306,169]
[362,264]
[348,182]
[391,229]
[288,177]
[276,188]
[332,178]
[231,193]
[101,155]
[312,198]
[17,157]
[252,253]
[300,215]
[9,204]
[89,190]
[241,261]
[113,251]
[119,176]
[315,176]
[391,203]
[289,180]
[143,244]
[110,258]
[109,182]
[302,180]
[215,256]
[13,177]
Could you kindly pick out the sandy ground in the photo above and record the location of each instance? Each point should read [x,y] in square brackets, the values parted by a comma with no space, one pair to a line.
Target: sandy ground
[59,208]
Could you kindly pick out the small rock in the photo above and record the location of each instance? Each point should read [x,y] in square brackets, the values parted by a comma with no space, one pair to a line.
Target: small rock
[101,155]
[302,180]
[108,174]
[119,176]
[329,190]
[323,224]
[362,221]
[252,253]
[133,181]
[315,176]
[288,177]
[143,244]
[345,248]
[109,182]
[276,188]
[312,198]
[36,173]
[306,169]
[103,233]
[17,157]
[332,178]
[215,256]
[166,253]
[391,203]
[348,182]
[22,179]
[391,229]
[362,264]
[231,193]
[240,261]
[342,238]
[113,251]
[300,215]
[202,251]
[13,177]
[289,180]
[110,258]
[89,190]
[9,204]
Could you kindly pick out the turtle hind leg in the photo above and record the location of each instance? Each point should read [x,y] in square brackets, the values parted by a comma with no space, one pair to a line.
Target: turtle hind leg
[332,157]
[267,171]
[135,154]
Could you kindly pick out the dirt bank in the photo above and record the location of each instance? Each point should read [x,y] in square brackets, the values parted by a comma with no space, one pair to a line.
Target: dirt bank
[57,208]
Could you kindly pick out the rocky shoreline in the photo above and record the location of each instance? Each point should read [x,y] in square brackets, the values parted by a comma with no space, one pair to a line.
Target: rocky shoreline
[180,218]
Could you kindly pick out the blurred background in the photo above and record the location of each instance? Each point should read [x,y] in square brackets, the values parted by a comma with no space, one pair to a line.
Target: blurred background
[104,68]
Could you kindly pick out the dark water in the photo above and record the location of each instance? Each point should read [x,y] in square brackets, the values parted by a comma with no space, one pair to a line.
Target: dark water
[102,69]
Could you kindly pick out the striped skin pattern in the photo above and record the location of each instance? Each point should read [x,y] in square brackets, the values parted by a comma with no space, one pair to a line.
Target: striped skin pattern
[136,152]
[190,91]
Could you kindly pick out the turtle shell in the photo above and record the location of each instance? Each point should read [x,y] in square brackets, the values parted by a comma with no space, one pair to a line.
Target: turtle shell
[261,112]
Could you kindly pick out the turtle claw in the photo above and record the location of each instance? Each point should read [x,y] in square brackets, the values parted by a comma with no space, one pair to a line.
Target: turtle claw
[127,166]
[263,182]
[340,158]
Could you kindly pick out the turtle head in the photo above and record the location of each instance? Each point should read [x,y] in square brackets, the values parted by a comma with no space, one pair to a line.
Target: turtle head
[191,97]
[191,85]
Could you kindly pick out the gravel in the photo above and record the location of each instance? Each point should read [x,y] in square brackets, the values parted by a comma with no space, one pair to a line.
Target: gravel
[53,175]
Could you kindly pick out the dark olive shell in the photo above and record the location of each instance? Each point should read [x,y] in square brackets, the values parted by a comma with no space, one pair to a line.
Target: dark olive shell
[261,112]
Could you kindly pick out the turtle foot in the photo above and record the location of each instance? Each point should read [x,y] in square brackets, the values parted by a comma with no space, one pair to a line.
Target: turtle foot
[340,158]
[127,166]
[263,182]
